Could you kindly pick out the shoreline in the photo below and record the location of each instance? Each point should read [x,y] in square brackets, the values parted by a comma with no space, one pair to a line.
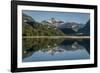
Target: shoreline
[70,37]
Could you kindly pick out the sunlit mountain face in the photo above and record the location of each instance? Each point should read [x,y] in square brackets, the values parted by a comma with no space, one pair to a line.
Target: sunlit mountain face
[53,22]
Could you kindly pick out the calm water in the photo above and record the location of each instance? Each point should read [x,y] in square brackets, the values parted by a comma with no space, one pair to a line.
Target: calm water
[55,49]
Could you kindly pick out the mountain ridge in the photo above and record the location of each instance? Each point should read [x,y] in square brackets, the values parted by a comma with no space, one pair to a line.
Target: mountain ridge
[32,28]
[53,27]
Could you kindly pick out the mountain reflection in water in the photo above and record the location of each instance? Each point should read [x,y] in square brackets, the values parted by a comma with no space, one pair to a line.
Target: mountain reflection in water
[43,49]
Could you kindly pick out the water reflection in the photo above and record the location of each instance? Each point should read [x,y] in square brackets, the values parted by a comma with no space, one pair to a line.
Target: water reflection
[40,49]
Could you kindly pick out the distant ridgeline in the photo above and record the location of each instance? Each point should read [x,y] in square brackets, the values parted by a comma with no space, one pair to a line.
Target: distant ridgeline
[52,27]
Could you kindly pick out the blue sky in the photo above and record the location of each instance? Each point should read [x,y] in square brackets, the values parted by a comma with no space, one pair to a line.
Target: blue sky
[64,16]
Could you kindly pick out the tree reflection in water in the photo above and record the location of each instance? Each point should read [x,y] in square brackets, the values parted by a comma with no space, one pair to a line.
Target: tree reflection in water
[31,45]
[52,46]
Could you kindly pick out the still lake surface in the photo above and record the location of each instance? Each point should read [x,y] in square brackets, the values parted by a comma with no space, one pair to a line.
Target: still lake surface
[39,49]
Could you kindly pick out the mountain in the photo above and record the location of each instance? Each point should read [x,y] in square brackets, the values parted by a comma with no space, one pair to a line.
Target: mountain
[52,22]
[86,29]
[52,27]
[70,27]
[30,27]
[68,31]
[26,18]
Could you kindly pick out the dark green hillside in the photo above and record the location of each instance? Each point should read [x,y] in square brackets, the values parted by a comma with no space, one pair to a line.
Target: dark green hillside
[27,30]
[32,28]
